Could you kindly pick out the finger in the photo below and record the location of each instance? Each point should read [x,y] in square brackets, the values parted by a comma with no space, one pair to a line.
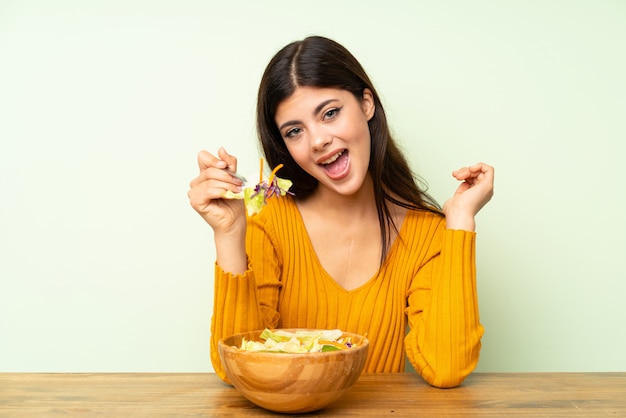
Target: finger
[480,168]
[461,173]
[472,171]
[198,198]
[206,160]
[203,193]
[207,163]
[231,160]
[483,172]
[218,178]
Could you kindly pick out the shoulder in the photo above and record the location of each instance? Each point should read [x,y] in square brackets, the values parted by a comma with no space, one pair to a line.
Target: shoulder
[422,231]
[424,221]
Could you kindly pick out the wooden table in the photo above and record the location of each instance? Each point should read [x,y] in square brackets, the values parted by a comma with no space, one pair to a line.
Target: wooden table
[159,395]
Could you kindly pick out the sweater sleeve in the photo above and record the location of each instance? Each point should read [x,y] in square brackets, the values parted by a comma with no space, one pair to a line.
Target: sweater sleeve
[247,301]
[443,343]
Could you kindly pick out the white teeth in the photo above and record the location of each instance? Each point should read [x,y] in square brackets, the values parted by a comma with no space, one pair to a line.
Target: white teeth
[333,158]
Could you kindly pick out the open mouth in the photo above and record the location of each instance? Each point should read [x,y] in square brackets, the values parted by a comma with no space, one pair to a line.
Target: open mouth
[337,164]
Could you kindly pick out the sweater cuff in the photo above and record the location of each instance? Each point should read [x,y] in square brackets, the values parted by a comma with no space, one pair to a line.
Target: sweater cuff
[233,309]
[232,290]
[458,238]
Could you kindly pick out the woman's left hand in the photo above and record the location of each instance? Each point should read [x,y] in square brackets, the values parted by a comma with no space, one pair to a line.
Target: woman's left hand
[472,194]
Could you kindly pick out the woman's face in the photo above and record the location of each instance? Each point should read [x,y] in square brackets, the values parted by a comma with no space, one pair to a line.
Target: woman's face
[326,133]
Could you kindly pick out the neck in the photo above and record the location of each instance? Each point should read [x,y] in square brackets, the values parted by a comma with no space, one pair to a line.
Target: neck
[350,207]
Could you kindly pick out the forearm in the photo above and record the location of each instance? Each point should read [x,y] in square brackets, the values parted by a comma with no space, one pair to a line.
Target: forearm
[235,309]
[444,341]
[246,287]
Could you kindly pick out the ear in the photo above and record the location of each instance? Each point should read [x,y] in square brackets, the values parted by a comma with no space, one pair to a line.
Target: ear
[367,103]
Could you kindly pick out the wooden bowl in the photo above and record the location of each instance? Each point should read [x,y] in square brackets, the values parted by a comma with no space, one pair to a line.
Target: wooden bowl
[291,383]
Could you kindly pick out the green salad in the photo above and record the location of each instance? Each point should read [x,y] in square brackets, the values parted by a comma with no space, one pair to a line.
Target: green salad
[255,196]
[300,341]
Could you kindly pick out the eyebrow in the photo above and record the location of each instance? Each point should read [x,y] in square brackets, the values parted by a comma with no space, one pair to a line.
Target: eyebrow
[317,109]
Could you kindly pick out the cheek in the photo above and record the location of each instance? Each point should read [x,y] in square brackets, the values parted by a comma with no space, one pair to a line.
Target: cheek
[363,134]
[356,128]
[296,151]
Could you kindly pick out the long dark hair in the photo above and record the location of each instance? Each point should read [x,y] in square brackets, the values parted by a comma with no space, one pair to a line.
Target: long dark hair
[321,62]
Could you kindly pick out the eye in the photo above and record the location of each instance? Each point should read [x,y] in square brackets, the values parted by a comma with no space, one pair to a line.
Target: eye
[332,113]
[293,132]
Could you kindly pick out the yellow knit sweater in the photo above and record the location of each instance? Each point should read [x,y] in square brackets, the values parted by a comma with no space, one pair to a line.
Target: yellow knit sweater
[427,282]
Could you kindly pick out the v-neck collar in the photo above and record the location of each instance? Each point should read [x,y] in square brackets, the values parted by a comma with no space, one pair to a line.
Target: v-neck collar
[328,277]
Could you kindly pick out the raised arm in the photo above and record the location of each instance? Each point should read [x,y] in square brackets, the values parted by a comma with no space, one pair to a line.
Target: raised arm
[443,343]
[225,216]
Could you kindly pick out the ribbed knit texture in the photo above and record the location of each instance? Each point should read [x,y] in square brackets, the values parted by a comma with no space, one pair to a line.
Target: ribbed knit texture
[427,279]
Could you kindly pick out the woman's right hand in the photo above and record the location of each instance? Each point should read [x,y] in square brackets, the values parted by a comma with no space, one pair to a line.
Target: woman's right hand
[206,193]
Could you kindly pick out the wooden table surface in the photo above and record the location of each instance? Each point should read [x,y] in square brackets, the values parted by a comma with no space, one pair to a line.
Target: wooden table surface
[157,395]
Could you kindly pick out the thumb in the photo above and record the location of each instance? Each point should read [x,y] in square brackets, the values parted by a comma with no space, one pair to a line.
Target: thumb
[206,160]
[230,160]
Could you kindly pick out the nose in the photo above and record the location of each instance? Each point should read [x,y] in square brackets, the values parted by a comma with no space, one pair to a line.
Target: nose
[321,140]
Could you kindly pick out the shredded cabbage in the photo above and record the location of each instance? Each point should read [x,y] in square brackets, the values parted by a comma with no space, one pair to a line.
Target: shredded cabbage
[300,341]
[255,196]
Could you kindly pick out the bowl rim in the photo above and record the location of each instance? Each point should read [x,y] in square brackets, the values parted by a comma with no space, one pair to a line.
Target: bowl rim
[363,344]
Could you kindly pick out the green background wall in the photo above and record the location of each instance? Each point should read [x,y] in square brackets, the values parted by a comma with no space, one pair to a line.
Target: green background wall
[104,266]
